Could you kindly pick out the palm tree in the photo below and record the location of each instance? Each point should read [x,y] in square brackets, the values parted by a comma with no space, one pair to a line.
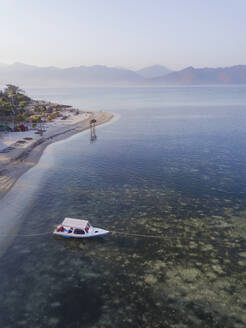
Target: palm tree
[11,91]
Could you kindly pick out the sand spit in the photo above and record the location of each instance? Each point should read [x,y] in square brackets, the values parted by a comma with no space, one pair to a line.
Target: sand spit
[26,153]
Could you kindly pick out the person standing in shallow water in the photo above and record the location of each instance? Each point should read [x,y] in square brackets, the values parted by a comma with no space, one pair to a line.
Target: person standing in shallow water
[93,130]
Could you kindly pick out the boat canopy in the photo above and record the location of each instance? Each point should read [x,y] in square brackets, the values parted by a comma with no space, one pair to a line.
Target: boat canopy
[75,223]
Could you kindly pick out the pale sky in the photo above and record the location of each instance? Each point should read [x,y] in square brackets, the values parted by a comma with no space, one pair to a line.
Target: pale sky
[128,33]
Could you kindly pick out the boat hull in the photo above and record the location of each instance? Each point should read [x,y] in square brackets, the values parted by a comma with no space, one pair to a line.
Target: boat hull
[96,232]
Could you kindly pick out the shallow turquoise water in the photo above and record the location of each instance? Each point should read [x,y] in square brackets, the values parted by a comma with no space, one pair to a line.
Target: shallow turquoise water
[172,165]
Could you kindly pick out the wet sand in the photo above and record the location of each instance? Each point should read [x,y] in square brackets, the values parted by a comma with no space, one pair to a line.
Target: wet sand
[20,159]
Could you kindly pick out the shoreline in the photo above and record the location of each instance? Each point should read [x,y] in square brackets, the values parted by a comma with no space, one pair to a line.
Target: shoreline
[23,159]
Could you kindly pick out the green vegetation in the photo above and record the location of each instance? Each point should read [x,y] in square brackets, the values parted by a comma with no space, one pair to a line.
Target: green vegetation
[16,107]
[13,102]
[52,116]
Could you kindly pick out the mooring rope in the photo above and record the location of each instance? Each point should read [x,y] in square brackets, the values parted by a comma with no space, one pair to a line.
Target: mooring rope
[221,243]
[138,235]
[29,235]
[113,232]
[217,242]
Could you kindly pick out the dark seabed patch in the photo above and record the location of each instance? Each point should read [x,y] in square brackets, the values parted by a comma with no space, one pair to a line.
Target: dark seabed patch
[76,306]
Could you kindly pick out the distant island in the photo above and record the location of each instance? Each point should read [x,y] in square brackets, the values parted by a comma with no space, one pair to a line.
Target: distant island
[99,75]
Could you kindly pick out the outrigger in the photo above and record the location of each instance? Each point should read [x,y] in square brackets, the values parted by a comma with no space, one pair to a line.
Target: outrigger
[78,229]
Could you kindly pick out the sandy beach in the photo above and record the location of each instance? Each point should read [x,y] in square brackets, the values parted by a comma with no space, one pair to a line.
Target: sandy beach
[26,148]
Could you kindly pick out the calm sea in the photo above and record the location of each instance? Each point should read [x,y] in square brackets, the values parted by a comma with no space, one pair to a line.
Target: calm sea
[171,164]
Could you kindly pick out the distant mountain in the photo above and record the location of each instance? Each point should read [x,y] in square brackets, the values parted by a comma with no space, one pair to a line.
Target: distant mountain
[101,74]
[153,71]
[191,75]
[20,67]
[29,76]
[32,76]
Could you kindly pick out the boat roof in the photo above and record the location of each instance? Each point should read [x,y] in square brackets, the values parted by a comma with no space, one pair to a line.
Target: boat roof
[75,223]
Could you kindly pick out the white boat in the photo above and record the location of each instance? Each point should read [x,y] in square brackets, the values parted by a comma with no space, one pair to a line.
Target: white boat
[78,229]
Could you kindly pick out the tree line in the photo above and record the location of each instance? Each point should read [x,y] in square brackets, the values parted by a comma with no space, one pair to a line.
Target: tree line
[13,102]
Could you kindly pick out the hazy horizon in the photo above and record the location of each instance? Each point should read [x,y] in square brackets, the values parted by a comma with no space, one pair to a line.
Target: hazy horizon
[118,66]
[129,34]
